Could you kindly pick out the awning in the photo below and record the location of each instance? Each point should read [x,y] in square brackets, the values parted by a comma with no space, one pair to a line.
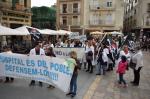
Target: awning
[8,31]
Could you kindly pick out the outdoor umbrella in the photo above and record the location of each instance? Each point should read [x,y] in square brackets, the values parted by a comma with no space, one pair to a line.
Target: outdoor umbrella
[96,33]
[64,32]
[49,32]
[115,33]
[8,31]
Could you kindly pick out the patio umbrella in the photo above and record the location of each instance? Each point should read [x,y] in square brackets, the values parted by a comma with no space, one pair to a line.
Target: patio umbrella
[64,32]
[96,33]
[115,33]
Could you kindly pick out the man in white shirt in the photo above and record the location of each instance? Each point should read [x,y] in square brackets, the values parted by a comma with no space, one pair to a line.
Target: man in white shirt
[37,51]
[138,60]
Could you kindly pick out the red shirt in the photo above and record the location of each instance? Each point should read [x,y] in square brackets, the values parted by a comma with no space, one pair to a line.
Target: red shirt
[122,67]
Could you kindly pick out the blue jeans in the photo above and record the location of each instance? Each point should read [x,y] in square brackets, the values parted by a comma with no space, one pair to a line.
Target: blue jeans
[73,85]
[101,68]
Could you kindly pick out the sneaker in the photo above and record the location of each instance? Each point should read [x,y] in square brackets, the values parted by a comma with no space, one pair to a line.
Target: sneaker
[87,70]
[125,86]
[1,80]
[32,84]
[68,93]
[98,74]
[91,72]
[50,86]
[6,81]
[40,84]
[73,95]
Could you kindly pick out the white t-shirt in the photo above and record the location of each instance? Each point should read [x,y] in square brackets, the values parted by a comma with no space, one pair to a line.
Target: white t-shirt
[138,59]
[128,56]
[105,52]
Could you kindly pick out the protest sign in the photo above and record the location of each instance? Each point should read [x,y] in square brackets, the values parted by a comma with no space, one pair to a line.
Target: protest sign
[64,52]
[46,69]
[82,38]
[74,35]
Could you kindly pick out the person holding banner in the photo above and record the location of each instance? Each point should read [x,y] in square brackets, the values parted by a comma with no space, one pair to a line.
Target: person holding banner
[73,83]
[50,53]
[37,51]
[8,50]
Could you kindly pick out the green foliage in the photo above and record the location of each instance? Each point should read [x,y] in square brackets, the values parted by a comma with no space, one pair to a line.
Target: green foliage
[43,17]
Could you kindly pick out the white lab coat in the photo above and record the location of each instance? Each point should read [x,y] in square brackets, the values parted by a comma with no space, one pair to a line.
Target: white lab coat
[33,52]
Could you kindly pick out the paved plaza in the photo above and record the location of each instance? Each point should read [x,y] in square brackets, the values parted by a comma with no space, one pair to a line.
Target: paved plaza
[90,86]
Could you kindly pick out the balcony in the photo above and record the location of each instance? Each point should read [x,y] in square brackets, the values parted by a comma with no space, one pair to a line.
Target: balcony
[5,5]
[16,7]
[101,7]
[100,22]
[74,11]
[148,23]
[75,24]
[148,10]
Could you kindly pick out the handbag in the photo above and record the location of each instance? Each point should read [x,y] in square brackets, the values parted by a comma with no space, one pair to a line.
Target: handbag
[131,64]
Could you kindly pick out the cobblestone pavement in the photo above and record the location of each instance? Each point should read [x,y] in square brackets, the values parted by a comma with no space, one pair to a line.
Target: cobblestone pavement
[106,85]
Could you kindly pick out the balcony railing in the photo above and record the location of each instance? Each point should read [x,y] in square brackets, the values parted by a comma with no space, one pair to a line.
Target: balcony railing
[73,11]
[6,5]
[75,24]
[17,7]
[101,22]
[148,23]
[100,7]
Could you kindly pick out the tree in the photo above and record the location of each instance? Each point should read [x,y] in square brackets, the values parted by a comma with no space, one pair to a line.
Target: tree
[44,17]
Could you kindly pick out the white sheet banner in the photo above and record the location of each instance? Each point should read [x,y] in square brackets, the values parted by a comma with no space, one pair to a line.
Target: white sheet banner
[64,52]
[50,70]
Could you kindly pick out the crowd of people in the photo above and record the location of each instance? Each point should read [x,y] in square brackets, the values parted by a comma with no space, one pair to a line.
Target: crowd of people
[105,56]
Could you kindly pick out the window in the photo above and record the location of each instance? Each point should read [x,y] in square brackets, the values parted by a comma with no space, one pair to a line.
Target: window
[64,7]
[75,8]
[135,11]
[148,7]
[25,3]
[3,0]
[135,1]
[109,4]
[75,20]
[64,20]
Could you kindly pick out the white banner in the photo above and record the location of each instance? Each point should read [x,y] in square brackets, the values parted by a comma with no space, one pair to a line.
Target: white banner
[40,68]
[82,38]
[74,35]
[64,52]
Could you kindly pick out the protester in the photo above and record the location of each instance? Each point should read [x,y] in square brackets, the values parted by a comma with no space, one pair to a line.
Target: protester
[70,44]
[50,53]
[102,59]
[125,52]
[122,66]
[85,45]
[65,44]
[73,83]
[137,59]
[37,51]
[8,51]
[89,56]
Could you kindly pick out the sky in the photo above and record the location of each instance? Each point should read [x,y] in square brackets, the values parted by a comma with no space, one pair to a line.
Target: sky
[40,3]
